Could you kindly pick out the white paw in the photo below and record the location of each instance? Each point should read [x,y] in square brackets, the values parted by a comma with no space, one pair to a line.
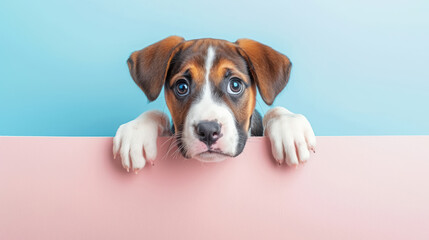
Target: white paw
[291,136]
[135,141]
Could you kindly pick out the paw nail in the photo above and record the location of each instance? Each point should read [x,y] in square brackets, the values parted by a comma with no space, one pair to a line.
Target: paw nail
[153,163]
[279,163]
[128,170]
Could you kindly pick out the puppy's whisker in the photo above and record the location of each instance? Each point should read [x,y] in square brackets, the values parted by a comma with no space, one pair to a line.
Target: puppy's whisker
[168,139]
[173,143]
[176,152]
[173,140]
[179,150]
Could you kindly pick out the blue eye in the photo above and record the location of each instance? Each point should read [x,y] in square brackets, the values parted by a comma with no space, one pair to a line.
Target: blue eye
[182,88]
[235,86]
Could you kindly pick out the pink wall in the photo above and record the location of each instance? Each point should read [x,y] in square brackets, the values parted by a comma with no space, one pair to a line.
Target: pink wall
[352,188]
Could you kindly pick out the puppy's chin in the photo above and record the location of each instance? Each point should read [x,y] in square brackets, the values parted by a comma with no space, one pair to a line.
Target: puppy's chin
[218,152]
[201,153]
[211,157]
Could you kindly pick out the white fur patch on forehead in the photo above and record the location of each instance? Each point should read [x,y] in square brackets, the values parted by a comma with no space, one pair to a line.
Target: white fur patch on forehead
[209,62]
[207,95]
[206,99]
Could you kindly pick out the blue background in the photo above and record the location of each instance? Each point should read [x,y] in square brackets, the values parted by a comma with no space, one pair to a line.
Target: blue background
[360,67]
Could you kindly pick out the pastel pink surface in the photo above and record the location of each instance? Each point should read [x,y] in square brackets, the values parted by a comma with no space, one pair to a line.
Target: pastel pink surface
[352,188]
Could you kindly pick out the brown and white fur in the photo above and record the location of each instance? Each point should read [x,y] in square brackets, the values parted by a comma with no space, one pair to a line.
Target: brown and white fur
[210,90]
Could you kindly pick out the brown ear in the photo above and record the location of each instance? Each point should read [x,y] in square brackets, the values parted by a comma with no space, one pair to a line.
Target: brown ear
[148,67]
[269,68]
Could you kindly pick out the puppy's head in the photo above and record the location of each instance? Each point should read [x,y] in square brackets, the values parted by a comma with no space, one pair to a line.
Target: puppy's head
[210,89]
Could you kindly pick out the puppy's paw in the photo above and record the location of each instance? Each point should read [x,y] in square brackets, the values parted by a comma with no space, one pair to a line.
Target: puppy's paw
[291,136]
[135,141]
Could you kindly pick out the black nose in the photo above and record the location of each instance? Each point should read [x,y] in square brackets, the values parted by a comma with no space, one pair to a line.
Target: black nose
[208,132]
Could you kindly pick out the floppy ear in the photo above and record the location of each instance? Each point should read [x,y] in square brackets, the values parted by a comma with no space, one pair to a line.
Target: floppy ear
[269,68]
[148,67]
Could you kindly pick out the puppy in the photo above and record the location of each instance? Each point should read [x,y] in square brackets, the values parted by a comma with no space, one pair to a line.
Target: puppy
[210,90]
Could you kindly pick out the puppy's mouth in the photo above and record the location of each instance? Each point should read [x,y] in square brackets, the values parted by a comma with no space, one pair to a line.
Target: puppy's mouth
[211,155]
[208,155]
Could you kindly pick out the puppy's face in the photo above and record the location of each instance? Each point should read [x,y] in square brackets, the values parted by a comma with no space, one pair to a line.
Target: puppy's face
[211,98]
[210,89]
